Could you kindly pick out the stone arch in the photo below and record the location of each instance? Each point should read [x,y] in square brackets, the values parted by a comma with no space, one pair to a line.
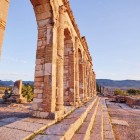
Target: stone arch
[45,70]
[44,102]
[55,31]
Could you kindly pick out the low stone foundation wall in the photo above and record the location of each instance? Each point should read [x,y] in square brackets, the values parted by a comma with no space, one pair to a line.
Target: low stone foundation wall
[132,102]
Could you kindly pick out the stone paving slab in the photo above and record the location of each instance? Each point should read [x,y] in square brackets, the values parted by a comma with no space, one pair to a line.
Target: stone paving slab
[25,126]
[78,137]
[13,134]
[67,129]
[107,127]
[108,135]
[10,119]
[3,124]
[97,130]
[22,127]
[119,122]
[86,127]
[58,129]
[48,137]
[39,121]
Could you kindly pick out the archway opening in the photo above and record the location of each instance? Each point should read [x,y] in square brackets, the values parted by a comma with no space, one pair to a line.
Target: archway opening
[19,51]
[81,78]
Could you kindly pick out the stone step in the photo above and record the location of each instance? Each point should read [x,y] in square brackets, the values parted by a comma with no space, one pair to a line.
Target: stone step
[83,132]
[97,129]
[107,126]
[69,125]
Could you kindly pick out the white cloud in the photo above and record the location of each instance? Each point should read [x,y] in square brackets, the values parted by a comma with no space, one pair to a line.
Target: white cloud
[13,74]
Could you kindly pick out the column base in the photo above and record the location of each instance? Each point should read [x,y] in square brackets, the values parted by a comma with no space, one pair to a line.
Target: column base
[48,115]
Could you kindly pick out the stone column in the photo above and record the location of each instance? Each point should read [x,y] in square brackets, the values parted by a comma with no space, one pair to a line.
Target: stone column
[77,73]
[91,86]
[85,80]
[60,61]
[92,83]
[44,102]
[94,77]
[4,6]
[88,86]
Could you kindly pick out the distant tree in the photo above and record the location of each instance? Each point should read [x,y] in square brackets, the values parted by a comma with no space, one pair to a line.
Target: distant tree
[133,91]
[27,92]
[100,89]
[97,87]
[120,92]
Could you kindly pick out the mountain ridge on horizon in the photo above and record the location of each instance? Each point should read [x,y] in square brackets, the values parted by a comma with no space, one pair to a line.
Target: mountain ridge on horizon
[102,82]
[119,83]
[11,83]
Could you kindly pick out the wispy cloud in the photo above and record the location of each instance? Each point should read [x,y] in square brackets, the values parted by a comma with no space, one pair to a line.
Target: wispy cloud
[13,74]
[16,60]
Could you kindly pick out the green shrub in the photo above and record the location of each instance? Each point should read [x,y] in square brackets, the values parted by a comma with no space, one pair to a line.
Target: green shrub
[27,92]
[120,92]
[133,92]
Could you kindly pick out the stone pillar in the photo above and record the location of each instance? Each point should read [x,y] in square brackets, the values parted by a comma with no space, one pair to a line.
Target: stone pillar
[44,102]
[91,86]
[85,79]
[60,61]
[77,73]
[88,83]
[4,6]
[94,77]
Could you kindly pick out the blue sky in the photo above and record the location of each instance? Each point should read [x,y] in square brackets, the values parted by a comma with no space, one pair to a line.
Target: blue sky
[111,27]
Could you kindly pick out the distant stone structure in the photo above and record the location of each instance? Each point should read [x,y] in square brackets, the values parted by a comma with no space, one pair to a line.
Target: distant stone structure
[15,96]
[16,93]
[64,71]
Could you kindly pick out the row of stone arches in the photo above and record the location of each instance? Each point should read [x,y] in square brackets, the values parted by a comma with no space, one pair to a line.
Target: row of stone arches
[63,71]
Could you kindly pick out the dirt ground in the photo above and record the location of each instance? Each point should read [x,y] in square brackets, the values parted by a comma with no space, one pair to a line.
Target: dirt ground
[128,126]
[12,110]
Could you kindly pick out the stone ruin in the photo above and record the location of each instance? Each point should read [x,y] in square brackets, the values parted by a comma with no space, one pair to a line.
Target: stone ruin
[15,96]
[64,74]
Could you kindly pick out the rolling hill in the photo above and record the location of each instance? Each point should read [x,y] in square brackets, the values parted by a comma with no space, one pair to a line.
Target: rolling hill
[11,83]
[119,83]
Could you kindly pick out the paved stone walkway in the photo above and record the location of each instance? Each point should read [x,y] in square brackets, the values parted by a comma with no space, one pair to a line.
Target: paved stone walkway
[17,124]
[125,120]
[86,121]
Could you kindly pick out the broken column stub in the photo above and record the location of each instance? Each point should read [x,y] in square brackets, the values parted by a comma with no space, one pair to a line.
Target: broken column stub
[16,95]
